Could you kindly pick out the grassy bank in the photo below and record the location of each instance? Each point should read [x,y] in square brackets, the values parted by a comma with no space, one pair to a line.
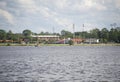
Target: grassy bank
[12,44]
[97,44]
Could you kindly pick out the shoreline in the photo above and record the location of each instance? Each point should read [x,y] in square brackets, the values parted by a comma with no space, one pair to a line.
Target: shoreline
[101,44]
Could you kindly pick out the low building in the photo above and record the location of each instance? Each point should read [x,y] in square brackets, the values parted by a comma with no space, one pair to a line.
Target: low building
[77,40]
[66,41]
[91,41]
[62,41]
[46,37]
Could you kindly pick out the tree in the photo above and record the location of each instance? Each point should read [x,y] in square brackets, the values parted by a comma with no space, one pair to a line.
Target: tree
[83,34]
[66,34]
[95,33]
[119,36]
[2,34]
[114,35]
[104,35]
[41,33]
[70,42]
[17,37]
[9,35]
[27,33]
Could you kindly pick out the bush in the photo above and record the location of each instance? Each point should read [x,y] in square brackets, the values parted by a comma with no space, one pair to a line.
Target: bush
[8,44]
[70,42]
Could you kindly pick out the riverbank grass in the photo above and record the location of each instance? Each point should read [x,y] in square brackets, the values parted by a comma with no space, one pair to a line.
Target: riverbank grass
[15,44]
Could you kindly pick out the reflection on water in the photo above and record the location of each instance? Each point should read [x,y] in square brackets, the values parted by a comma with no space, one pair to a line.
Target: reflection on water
[60,64]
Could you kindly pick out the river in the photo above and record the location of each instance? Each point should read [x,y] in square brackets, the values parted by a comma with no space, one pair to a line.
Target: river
[60,64]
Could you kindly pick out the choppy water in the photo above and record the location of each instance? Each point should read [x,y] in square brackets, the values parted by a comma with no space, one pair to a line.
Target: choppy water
[60,64]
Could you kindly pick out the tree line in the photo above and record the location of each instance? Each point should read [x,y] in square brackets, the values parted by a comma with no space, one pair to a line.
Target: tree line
[104,35]
[18,37]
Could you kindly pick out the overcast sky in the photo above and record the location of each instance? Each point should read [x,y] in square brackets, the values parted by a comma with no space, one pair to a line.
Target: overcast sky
[44,15]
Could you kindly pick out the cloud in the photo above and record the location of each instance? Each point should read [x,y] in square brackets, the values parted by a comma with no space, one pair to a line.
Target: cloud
[61,4]
[3,4]
[32,7]
[64,23]
[62,14]
[89,26]
[39,29]
[87,5]
[28,5]
[47,13]
[7,16]
[117,2]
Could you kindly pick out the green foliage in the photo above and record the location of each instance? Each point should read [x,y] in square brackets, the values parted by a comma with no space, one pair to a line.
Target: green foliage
[95,33]
[70,42]
[114,35]
[9,35]
[105,35]
[8,44]
[84,34]
[27,33]
[103,40]
[27,36]
[66,34]
[2,34]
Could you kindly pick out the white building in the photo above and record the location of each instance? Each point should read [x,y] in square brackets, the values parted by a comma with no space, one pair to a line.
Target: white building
[46,37]
[92,41]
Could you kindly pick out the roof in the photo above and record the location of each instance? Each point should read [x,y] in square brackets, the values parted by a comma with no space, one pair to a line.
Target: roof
[45,36]
[77,39]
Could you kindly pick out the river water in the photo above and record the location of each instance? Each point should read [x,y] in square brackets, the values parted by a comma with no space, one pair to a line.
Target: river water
[60,64]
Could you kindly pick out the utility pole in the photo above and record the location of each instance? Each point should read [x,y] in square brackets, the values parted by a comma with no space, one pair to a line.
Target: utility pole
[53,30]
[73,31]
[83,27]
[83,31]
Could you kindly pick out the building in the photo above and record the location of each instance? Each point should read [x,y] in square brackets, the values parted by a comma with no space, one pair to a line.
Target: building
[46,37]
[77,40]
[91,41]
[66,41]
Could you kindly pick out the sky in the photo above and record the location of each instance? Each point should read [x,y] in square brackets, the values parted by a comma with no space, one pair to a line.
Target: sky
[56,15]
